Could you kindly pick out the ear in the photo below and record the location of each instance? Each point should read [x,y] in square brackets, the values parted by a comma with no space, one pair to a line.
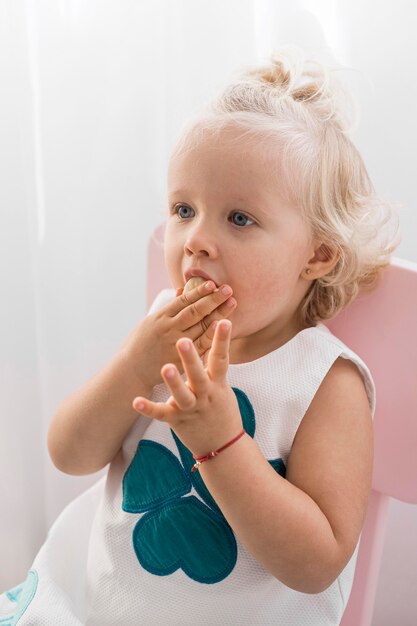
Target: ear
[322,262]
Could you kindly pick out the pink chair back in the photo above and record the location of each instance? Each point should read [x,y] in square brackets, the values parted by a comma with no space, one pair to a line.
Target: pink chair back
[381,327]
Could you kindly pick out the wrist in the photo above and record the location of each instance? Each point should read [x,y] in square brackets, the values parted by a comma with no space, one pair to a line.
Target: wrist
[130,353]
[139,381]
[230,460]
[200,459]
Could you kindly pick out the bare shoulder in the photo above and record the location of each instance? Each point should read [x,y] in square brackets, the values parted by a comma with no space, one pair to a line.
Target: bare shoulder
[332,454]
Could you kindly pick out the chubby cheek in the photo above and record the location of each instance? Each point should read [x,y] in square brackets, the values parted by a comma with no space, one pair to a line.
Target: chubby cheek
[259,301]
[173,263]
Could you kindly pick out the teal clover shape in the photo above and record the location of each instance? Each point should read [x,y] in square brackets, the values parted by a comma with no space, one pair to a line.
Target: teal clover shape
[177,530]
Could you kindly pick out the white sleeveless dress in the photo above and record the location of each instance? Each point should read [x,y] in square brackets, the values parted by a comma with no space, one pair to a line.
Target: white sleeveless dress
[148,545]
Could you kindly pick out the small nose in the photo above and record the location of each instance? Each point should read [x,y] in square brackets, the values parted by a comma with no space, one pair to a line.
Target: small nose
[201,242]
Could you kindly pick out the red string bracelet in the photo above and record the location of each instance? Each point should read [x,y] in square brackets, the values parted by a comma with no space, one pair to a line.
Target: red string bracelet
[200,459]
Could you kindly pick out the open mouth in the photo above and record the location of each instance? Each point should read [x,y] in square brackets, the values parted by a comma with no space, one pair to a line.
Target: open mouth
[194,282]
[197,274]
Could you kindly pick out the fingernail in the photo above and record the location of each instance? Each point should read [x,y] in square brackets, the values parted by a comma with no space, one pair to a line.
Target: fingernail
[226,291]
[185,345]
[169,372]
[230,302]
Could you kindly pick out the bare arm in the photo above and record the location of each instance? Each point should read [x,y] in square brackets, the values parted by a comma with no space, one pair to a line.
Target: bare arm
[304,528]
[90,425]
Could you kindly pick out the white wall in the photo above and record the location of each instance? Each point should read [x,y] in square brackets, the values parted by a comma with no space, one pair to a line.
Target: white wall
[92,96]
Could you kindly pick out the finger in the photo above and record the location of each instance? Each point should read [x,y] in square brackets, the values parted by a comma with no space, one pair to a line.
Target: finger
[218,358]
[193,367]
[181,393]
[203,344]
[161,411]
[191,307]
[183,300]
[205,340]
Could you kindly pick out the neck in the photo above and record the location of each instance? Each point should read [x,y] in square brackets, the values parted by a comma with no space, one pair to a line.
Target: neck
[250,348]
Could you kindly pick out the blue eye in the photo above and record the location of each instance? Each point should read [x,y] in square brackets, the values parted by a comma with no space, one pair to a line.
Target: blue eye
[245,217]
[242,221]
[181,206]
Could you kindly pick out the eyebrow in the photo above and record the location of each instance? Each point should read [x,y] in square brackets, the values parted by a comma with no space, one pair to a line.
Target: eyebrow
[177,192]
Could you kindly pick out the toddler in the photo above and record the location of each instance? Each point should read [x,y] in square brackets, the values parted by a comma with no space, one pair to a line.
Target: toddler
[237,428]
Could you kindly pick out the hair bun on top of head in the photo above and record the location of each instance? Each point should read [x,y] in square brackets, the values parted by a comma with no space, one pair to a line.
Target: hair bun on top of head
[289,75]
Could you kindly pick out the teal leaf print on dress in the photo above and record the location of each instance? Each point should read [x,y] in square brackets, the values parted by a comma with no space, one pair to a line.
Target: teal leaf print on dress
[188,536]
[154,476]
[178,531]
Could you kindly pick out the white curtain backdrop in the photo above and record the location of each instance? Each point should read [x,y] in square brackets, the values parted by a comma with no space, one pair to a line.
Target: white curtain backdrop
[92,96]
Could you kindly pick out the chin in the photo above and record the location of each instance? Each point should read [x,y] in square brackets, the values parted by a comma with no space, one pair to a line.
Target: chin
[238,329]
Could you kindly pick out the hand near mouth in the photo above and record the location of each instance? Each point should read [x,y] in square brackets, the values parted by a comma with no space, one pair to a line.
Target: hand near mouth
[190,314]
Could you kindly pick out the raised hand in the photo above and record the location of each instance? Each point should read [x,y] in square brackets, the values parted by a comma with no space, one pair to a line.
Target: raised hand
[152,343]
[203,409]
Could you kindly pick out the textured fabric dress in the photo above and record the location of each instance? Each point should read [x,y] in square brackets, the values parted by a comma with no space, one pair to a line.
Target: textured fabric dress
[148,545]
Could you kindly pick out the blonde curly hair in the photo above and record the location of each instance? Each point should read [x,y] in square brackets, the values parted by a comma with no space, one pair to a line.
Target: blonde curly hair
[297,104]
